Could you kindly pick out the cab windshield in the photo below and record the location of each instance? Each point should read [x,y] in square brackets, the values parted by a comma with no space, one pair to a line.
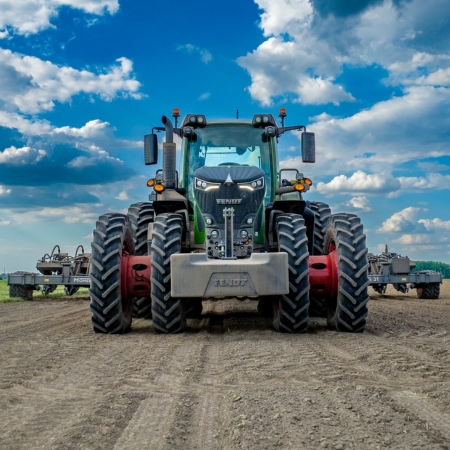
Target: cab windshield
[229,145]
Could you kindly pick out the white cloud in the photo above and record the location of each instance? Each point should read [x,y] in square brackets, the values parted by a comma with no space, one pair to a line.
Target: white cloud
[73,214]
[205,55]
[20,156]
[123,196]
[360,182]
[91,137]
[4,223]
[312,40]
[439,78]
[360,204]
[102,157]
[435,224]
[204,96]
[427,166]
[403,222]
[4,191]
[408,239]
[32,127]
[431,181]
[33,85]
[390,133]
[30,16]
[278,67]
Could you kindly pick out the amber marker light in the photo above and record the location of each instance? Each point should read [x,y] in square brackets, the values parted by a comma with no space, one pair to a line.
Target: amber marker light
[151,182]
[282,112]
[299,187]
[176,112]
[308,181]
[159,188]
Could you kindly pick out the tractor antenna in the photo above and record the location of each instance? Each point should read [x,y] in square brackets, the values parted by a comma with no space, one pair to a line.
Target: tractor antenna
[237,114]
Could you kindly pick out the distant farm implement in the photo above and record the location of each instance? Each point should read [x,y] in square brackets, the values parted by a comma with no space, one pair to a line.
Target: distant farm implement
[55,269]
[392,268]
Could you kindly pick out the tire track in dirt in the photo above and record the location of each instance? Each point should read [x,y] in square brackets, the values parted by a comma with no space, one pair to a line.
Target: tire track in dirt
[47,323]
[183,408]
[400,387]
[229,382]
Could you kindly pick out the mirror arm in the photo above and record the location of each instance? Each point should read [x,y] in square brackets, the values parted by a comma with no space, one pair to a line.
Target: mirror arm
[293,128]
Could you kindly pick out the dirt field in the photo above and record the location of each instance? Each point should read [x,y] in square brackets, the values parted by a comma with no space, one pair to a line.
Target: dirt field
[230,382]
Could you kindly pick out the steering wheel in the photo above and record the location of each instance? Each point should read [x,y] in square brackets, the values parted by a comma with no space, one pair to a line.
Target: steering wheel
[229,164]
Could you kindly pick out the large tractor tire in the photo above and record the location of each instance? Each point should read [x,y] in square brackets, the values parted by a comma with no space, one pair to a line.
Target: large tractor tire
[322,213]
[168,312]
[140,215]
[430,291]
[21,291]
[111,313]
[348,311]
[290,311]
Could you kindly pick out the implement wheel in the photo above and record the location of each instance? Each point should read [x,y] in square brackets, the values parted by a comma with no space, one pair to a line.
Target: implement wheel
[168,312]
[290,311]
[21,291]
[430,291]
[140,215]
[347,310]
[111,312]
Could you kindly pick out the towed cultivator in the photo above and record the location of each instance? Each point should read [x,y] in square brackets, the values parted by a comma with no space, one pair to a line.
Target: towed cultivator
[228,224]
[55,269]
[392,268]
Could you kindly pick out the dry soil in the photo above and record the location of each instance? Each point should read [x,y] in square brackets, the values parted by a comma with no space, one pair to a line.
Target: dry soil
[229,382]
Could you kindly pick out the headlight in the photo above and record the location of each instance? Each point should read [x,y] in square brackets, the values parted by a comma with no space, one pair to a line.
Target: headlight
[253,185]
[203,185]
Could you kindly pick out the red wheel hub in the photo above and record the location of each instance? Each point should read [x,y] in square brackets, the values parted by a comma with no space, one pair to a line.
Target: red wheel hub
[324,275]
[135,276]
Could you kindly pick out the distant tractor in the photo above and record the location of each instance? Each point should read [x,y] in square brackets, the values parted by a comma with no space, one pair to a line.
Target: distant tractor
[392,268]
[228,224]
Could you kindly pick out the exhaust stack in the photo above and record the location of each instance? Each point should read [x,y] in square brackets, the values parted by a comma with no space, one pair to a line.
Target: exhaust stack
[169,156]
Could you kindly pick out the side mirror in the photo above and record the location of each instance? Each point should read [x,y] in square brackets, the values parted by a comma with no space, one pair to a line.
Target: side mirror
[308,147]
[150,149]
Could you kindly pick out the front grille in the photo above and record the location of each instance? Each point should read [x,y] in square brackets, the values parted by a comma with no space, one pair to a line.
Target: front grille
[251,201]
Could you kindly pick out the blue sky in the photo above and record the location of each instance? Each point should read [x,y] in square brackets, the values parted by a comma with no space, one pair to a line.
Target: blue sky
[83,80]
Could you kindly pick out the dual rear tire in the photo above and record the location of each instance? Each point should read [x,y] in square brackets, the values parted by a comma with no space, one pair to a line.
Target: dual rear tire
[111,312]
[141,215]
[348,310]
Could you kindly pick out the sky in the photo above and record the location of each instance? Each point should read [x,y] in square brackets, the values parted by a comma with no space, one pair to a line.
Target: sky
[82,81]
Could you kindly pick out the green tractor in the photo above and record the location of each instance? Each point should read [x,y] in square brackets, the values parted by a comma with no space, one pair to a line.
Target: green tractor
[227,224]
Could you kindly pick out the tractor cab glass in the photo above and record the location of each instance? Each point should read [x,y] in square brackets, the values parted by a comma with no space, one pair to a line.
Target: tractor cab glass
[228,145]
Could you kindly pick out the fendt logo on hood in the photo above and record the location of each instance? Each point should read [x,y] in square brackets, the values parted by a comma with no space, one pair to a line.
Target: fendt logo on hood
[229,201]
